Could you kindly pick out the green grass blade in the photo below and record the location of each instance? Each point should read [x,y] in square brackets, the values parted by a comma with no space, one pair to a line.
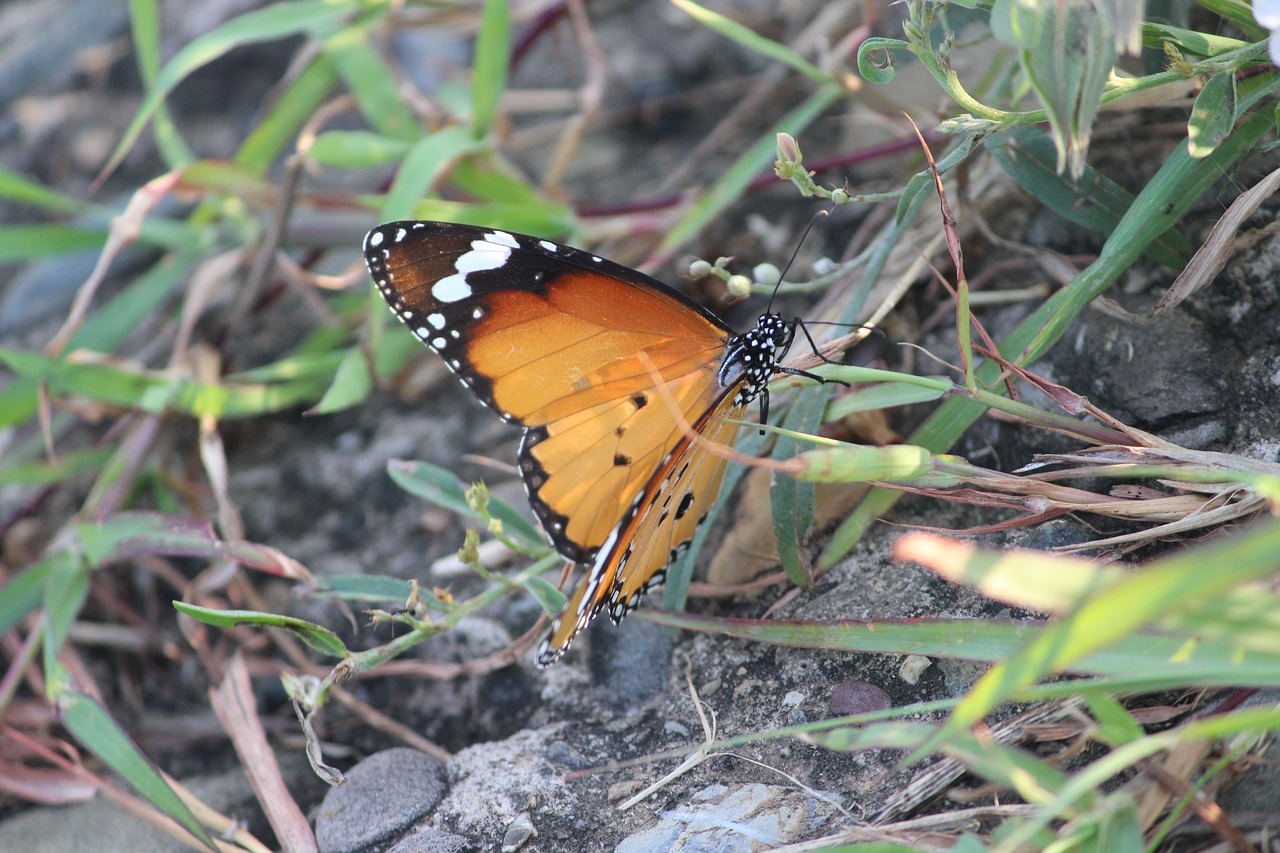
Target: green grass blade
[751,40]
[23,242]
[489,69]
[24,592]
[369,80]
[1171,585]
[350,386]
[144,18]
[15,188]
[316,18]
[1136,662]
[792,500]
[102,735]
[356,149]
[423,167]
[291,110]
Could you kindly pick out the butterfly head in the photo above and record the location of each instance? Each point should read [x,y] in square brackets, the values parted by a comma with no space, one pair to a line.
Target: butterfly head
[752,357]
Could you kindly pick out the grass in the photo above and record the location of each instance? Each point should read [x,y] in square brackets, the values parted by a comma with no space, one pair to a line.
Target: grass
[133,371]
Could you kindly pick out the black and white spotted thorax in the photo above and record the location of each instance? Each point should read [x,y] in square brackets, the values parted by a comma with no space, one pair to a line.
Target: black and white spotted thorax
[752,358]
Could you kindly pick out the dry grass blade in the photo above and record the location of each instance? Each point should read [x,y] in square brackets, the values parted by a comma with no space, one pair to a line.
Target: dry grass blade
[233,702]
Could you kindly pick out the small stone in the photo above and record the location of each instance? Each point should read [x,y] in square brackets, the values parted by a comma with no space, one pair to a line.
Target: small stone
[857,697]
[913,666]
[518,833]
[672,727]
[625,790]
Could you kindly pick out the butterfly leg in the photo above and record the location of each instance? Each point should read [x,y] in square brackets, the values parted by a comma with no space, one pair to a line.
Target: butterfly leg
[808,337]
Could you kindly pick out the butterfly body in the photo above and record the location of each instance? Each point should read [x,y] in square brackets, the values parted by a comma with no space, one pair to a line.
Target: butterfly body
[595,361]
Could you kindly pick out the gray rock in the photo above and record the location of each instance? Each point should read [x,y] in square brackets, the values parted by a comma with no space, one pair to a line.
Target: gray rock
[384,795]
[432,840]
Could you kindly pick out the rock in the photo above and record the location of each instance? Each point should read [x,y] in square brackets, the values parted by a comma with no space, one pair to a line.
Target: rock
[719,819]
[384,795]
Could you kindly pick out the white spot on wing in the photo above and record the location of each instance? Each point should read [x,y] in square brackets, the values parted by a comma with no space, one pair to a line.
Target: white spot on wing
[548,245]
[502,238]
[436,320]
[375,239]
[490,253]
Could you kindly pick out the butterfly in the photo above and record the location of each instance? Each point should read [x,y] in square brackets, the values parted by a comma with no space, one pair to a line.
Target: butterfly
[574,349]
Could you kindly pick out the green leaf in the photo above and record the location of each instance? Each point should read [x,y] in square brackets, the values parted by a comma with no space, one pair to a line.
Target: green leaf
[1213,115]
[1068,53]
[871,67]
[1116,725]
[351,384]
[1189,41]
[19,190]
[356,148]
[155,392]
[424,165]
[1019,23]
[64,595]
[24,591]
[792,501]
[443,489]
[489,70]
[882,395]
[23,242]
[1239,13]
[918,188]
[316,636]
[550,599]
[1091,200]
[102,735]
[492,178]
[68,465]
[372,84]
[287,114]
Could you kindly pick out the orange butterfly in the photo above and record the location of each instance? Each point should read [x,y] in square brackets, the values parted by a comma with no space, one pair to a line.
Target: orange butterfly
[567,345]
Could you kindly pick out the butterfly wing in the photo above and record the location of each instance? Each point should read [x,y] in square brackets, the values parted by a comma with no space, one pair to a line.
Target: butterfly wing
[659,527]
[548,336]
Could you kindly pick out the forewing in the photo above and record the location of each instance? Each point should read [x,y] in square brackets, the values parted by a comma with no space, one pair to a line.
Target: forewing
[550,337]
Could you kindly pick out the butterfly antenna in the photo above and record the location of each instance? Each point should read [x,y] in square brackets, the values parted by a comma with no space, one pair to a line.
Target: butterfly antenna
[783,275]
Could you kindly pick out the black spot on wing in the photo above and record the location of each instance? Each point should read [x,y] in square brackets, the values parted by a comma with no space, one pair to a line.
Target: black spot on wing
[685,503]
